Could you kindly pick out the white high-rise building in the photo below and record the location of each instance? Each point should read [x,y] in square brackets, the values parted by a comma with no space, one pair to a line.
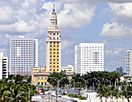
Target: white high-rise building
[89,57]
[23,55]
[129,62]
[3,66]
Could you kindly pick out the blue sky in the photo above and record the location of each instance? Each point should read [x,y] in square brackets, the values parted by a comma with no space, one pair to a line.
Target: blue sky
[107,21]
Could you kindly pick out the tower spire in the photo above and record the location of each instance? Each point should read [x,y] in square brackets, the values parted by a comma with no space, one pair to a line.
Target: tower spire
[53,8]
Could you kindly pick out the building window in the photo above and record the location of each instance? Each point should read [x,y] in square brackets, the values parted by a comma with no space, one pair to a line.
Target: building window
[38,83]
[41,83]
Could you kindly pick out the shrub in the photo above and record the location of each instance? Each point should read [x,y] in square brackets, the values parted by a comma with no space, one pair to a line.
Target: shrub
[77,96]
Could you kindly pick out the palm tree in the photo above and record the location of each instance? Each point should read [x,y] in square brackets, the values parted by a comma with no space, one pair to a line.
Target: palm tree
[113,92]
[103,91]
[100,93]
[127,90]
[117,94]
[16,89]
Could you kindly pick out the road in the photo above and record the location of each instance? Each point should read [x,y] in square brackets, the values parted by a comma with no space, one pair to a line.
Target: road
[48,98]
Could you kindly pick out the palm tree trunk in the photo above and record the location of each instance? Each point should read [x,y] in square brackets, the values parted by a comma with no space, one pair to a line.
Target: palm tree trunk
[122,99]
[112,99]
[101,99]
[105,99]
[128,100]
[117,99]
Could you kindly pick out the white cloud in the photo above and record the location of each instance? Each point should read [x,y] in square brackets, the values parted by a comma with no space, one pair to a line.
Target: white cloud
[75,15]
[116,30]
[66,43]
[114,51]
[96,1]
[122,11]
[20,26]
[48,6]
[33,15]
[6,15]
[118,50]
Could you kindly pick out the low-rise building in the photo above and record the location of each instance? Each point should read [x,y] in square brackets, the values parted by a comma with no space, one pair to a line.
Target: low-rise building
[68,69]
[39,77]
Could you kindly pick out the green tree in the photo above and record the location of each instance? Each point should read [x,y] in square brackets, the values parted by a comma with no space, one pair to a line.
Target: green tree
[127,90]
[103,91]
[54,77]
[16,88]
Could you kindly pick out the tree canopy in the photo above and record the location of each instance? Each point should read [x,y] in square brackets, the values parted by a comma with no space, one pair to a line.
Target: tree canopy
[16,88]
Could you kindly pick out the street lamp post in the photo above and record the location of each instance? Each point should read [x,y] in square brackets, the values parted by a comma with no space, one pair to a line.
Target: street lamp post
[49,94]
[85,86]
[73,84]
[57,86]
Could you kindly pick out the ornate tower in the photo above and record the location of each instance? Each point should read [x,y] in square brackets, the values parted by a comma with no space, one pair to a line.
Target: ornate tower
[53,45]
